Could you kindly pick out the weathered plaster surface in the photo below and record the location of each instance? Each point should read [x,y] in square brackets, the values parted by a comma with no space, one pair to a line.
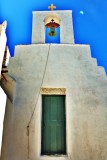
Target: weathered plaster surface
[8,86]
[6,140]
[71,67]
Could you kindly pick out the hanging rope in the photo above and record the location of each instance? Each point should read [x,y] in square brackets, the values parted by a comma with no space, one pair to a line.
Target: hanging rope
[37,98]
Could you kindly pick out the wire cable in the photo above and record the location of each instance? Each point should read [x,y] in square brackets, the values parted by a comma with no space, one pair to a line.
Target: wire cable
[40,87]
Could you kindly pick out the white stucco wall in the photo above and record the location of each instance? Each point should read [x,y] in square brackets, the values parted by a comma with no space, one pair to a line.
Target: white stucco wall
[71,67]
[3,40]
[2,112]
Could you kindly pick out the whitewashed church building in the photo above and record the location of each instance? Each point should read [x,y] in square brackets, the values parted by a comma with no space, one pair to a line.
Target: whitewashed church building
[56,96]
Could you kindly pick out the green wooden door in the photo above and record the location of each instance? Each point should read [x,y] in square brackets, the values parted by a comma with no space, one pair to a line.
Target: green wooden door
[53,125]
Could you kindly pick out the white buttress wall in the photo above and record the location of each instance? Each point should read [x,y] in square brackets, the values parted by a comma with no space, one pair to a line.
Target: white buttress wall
[71,67]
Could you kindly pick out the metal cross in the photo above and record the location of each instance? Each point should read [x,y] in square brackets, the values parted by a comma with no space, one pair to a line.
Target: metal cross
[51,7]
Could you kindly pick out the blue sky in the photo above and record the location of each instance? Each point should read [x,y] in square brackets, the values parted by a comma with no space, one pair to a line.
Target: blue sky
[89,21]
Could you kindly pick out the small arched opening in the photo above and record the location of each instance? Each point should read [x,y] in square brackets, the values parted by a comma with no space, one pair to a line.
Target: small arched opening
[52,28]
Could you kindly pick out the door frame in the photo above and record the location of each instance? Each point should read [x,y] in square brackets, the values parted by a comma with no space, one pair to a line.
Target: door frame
[55,91]
[65,145]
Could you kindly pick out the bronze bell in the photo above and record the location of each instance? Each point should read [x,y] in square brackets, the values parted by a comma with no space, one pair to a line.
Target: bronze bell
[52,21]
[52,32]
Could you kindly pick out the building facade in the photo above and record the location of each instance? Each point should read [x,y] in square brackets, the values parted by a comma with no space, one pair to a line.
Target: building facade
[58,107]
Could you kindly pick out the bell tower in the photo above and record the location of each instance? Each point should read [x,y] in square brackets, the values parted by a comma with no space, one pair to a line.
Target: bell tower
[62,18]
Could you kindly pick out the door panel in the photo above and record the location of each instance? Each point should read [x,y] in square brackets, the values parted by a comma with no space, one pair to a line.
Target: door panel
[53,125]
